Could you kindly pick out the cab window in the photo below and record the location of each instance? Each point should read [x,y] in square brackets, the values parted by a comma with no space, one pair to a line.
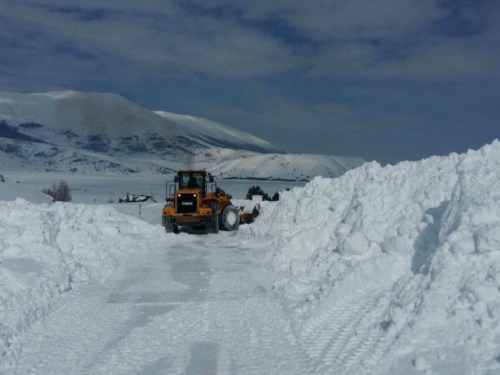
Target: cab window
[191,181]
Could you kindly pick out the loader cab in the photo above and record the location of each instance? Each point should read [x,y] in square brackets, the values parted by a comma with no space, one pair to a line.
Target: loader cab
[190,183]
[192,180]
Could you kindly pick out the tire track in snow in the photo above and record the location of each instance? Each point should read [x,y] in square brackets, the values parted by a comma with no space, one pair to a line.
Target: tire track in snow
[352,330]
[367,334]
[409,295]
[341,333]
[8,279]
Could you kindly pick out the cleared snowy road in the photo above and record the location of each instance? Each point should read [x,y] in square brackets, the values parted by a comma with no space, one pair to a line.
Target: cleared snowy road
[192,307]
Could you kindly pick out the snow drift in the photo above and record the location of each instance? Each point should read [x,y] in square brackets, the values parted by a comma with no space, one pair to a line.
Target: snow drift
[47,250]
[396,267]
[10,191]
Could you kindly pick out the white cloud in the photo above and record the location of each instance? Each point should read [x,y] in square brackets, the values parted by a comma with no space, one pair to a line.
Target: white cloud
[340,19]
[405,39]
[155,35]
[437,60]
[356,38]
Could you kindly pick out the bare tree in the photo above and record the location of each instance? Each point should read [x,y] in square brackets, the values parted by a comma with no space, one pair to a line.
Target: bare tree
[60,193]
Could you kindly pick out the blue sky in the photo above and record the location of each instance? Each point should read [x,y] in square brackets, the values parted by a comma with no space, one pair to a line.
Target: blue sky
[388,80]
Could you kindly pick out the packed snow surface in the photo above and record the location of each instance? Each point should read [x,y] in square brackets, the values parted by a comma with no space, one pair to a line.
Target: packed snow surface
[153,303]
[393,270]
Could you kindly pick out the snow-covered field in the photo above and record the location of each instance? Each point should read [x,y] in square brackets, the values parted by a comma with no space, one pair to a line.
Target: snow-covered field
[10,190]
[103,188]
[392,270]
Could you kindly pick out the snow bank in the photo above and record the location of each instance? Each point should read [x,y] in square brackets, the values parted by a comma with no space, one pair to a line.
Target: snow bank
[47,250]
[412,251]
[10,191]
[368,211]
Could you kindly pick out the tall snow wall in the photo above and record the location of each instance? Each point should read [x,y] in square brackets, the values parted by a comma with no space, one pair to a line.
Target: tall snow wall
[402,262]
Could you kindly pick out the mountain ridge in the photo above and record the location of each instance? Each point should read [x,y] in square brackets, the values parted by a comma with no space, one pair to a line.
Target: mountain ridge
[79,132]
[219,135]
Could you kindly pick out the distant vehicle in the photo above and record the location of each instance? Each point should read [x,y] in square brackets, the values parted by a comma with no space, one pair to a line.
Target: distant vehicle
[136,199]
[193,200]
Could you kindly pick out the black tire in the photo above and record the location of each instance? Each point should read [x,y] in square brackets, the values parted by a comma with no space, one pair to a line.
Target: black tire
[212,225]
[230,218]
[170,227]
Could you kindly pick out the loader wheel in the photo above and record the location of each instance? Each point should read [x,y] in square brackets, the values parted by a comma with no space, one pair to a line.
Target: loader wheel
[170,227]
[212,225]
[230,218]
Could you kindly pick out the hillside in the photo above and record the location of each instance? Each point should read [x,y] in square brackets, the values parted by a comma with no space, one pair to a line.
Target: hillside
[213,134]
[293,167]
[76,132]
[107,123]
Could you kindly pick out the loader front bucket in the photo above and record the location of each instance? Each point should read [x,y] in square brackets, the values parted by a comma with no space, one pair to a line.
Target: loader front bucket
[250,212]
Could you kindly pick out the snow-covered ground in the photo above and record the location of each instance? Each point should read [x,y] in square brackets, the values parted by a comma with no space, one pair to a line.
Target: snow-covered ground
[88,290]
[392,270]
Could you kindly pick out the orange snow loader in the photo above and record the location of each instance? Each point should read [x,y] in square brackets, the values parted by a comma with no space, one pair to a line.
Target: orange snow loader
[193,200]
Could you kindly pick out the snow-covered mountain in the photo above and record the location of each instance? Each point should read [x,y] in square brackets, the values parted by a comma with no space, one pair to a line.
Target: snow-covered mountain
[296,167]
[109,123]
[213,134]
[76,132]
